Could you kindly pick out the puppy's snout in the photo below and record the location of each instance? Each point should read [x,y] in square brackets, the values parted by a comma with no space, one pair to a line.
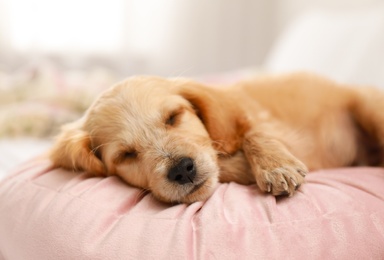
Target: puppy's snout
[183,172]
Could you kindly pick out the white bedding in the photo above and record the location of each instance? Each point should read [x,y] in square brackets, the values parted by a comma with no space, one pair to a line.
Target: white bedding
[15,151]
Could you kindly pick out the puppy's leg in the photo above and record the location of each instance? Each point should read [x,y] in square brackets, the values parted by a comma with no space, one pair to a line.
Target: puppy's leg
[275,169]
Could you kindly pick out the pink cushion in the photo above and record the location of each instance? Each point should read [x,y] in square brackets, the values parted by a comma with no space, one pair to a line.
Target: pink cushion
[56,214]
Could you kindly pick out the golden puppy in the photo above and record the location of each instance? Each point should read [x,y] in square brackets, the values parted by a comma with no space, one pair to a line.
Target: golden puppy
[178,138]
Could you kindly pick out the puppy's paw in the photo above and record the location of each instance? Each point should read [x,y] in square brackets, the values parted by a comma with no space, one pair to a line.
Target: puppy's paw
[281,177]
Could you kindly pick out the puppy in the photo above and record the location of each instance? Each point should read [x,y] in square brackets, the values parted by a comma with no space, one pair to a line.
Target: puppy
[178,138]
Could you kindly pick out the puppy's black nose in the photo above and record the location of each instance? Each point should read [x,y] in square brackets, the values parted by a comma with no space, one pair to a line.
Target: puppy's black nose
[183,172]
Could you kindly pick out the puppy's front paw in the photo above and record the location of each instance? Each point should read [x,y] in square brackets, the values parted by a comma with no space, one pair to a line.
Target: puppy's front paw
[281,176]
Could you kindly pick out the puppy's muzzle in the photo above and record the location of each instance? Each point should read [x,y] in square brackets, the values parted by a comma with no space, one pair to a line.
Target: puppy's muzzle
[184,171]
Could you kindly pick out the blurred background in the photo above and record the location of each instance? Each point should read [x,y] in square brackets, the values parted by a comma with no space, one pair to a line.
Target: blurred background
[56,56]
[164,37]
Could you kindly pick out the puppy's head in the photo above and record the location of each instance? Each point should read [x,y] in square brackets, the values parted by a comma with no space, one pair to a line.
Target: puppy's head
[157,134]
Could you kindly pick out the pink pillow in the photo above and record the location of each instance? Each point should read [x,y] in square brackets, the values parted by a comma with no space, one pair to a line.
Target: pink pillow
[55,214]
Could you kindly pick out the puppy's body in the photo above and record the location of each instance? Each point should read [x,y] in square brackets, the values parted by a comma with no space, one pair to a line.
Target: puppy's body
[177,138]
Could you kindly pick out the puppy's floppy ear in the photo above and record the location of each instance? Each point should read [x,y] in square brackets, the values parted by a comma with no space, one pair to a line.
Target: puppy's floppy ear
[222,118]
[72,150]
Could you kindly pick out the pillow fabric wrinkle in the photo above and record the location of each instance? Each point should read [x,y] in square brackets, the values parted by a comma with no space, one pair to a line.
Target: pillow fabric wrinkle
[50,213]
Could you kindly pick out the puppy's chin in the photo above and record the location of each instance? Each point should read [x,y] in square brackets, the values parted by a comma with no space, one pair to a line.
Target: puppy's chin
[190,194]
[201,192]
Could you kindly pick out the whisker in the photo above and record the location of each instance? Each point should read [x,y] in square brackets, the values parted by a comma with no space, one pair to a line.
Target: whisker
[220,143]
[94,150]
[140,195]
[206,186]
[180,73]
[217,142]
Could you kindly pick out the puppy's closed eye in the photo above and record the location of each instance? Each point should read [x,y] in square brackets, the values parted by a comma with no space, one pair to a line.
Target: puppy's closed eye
[173,118]
[126,156]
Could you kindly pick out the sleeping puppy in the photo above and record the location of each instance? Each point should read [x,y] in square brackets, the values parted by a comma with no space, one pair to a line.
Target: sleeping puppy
[178,138]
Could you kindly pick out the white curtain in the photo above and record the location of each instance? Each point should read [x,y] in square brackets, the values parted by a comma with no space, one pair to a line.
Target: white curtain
[84,26]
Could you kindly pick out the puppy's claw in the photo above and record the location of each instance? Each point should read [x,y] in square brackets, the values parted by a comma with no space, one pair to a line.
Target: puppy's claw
[269,187]
[297,186]
[285,185]
[302,173]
